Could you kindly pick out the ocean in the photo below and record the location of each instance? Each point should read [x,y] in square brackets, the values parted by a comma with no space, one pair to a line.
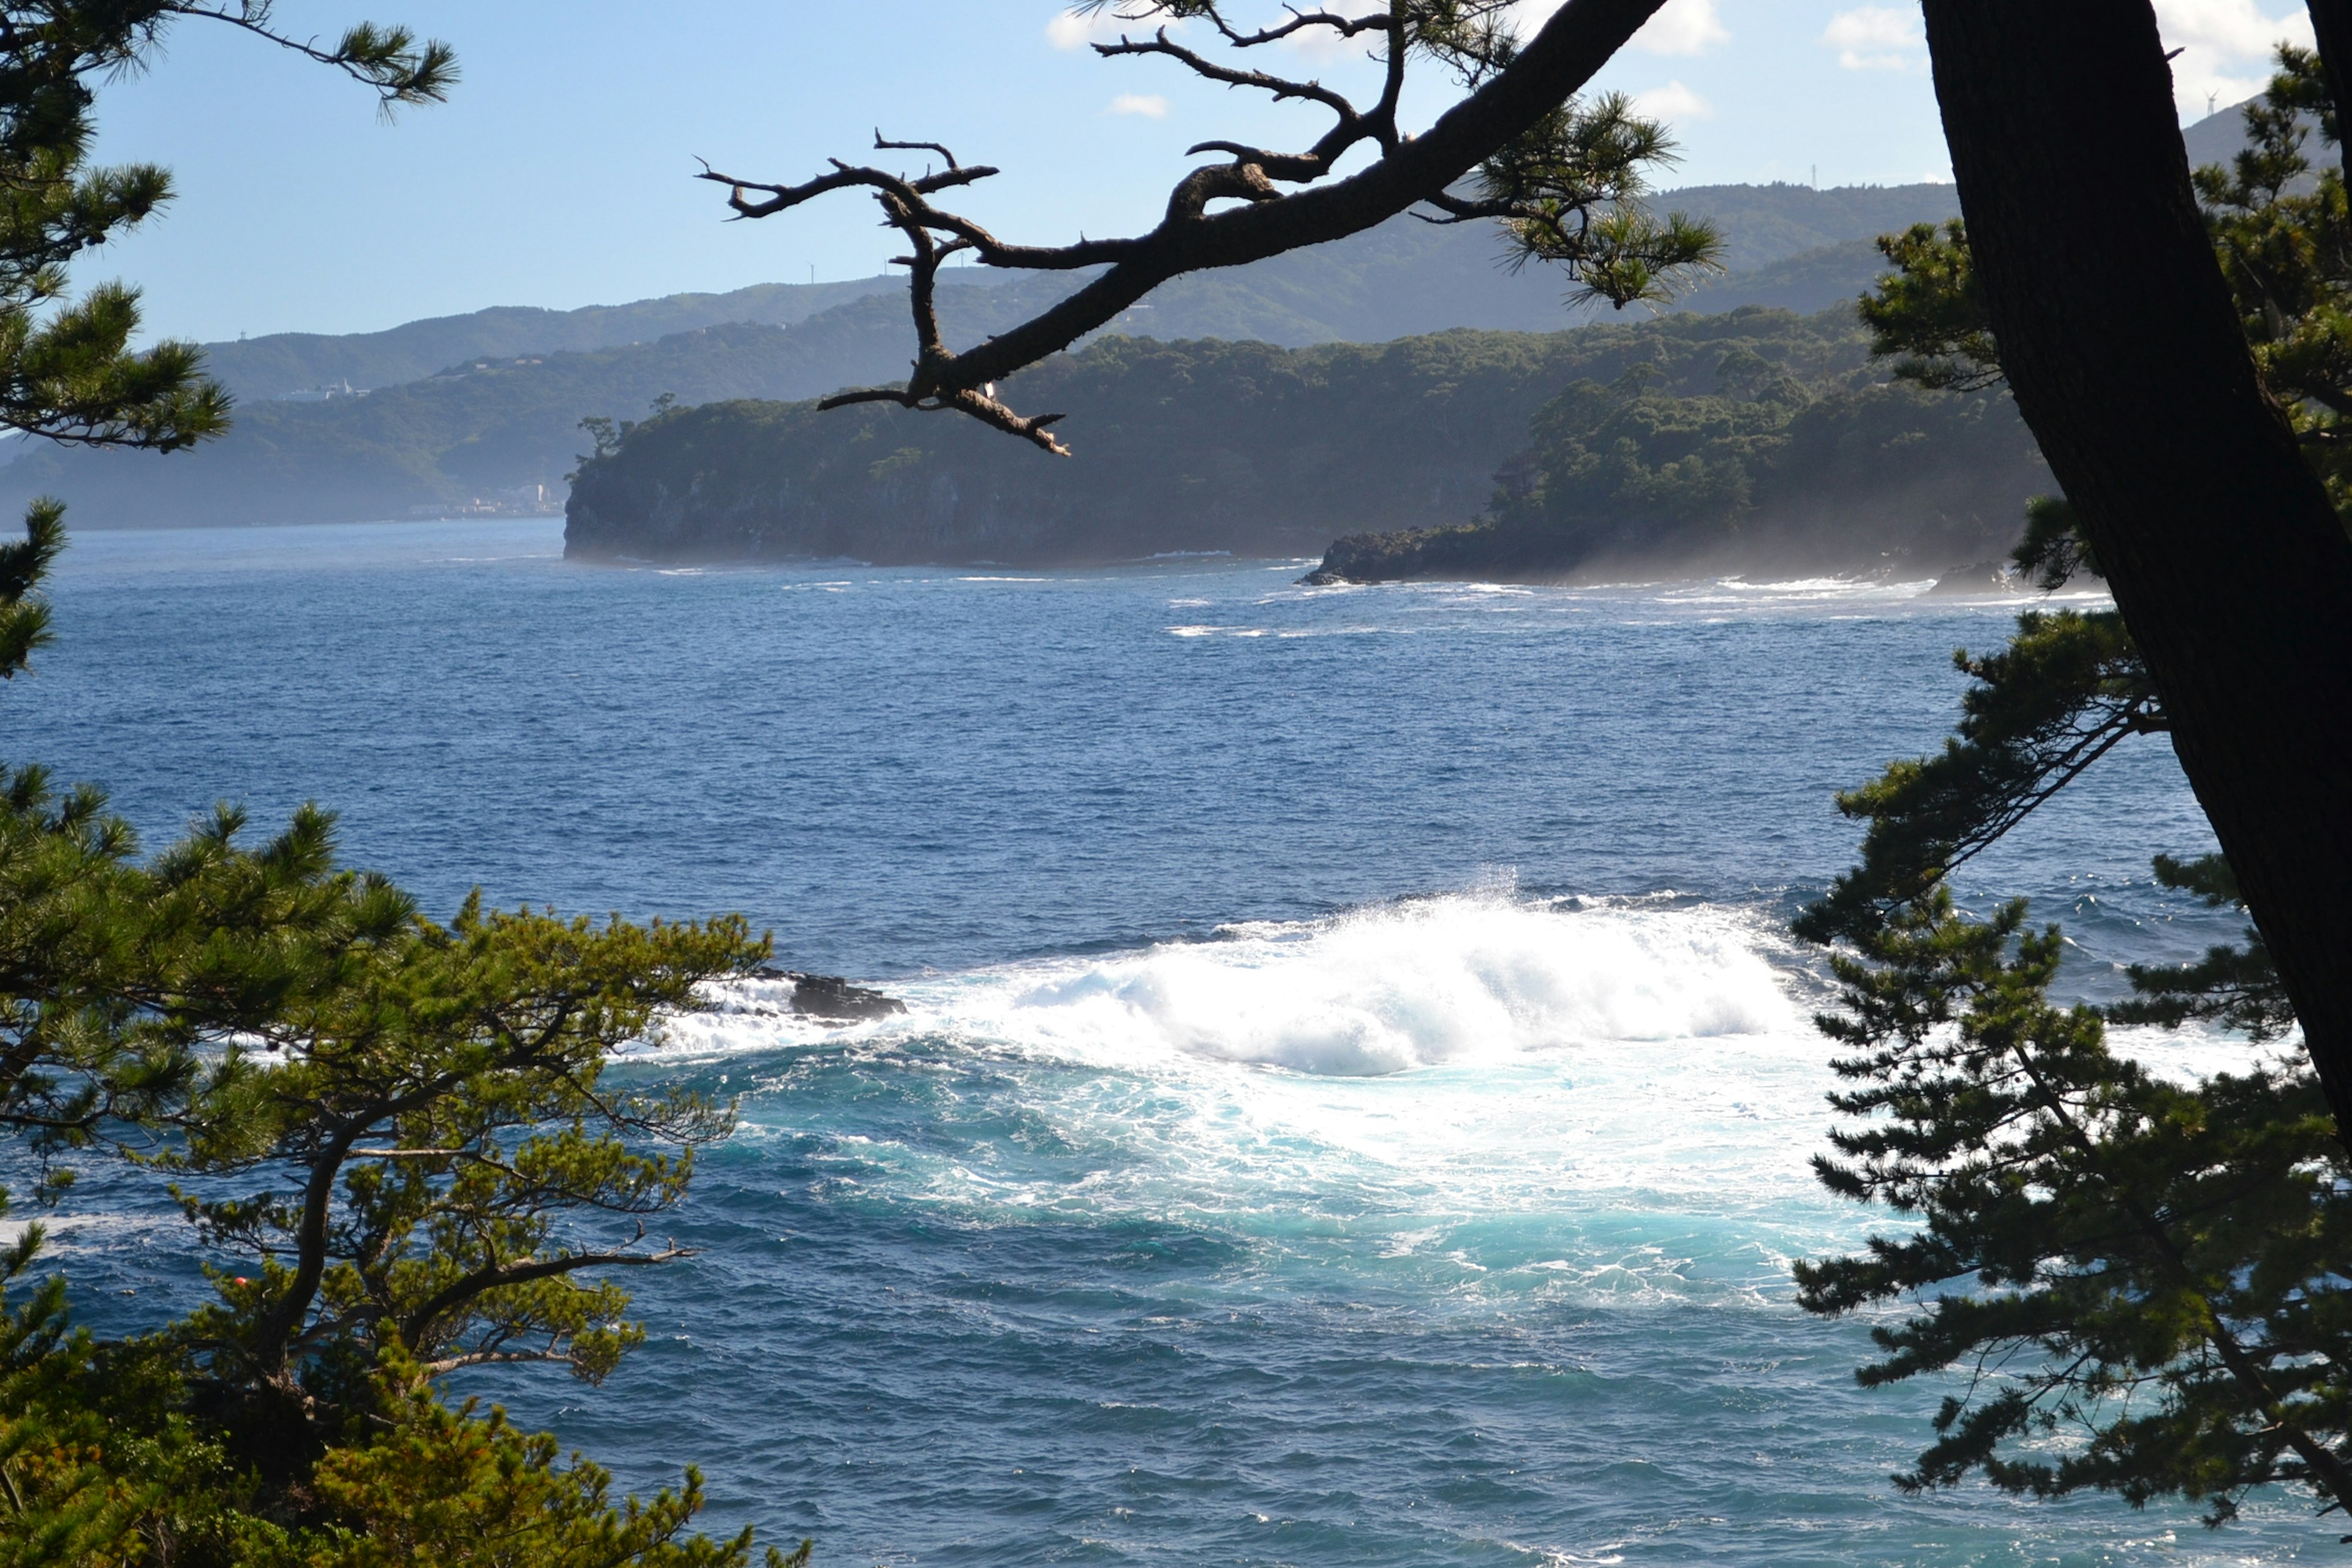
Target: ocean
[1357,1089]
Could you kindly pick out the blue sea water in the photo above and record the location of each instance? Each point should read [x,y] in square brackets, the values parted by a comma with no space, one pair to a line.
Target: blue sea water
[1355,1096]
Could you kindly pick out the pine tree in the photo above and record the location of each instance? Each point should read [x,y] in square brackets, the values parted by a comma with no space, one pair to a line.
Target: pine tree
[2139,1276]
[435,1093]
[2153,1305]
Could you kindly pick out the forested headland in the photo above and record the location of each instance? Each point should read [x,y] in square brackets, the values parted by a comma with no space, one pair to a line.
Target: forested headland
[1751,439]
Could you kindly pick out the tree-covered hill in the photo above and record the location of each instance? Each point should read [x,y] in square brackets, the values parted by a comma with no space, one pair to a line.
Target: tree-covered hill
[1198,446]
[1763,471]
[1247,447]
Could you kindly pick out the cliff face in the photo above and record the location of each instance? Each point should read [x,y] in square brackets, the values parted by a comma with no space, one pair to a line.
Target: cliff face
[1180,446]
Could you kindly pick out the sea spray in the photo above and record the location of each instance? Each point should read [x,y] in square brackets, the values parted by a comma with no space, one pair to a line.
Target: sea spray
[1460,979]
[1421,1062]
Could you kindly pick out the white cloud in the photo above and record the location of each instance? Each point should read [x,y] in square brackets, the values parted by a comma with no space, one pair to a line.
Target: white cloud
[1672,102]
[1683,27]
[1877,37]
[1149,105]
[2225,47]
[1070,30]
[2230,27]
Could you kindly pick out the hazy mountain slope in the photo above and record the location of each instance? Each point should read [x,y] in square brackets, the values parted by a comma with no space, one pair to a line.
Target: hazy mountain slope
[490,427]
[287,362]
[1812,281]
[497,421]
[1404,277]
[1763,223]
[1408,277]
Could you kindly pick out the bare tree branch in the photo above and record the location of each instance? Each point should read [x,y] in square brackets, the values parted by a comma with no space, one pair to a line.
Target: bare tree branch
[1300,21]
[1161,44]
[1513,89]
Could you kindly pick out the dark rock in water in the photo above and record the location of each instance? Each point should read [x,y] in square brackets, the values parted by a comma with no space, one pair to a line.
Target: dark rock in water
[1984,577]
[834,999]
[1463,552]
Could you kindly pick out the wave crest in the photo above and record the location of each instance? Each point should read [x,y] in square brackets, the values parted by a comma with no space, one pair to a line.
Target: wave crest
[1416,984]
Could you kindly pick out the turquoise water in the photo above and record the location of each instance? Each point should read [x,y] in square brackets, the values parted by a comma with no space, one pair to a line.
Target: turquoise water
[1356,1095]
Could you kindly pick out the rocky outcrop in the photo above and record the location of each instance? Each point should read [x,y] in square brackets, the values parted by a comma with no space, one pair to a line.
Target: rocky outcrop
[835,1000]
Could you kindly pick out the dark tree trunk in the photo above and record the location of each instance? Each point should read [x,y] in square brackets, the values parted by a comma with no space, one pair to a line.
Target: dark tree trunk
[2332,20]
[2128,362]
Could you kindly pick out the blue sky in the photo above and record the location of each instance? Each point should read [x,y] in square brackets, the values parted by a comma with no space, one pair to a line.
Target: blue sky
[560,173]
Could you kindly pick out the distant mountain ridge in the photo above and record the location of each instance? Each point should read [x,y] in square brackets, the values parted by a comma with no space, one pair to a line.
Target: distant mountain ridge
[1781,238]
[1402,278]
[288,363]
[492,421]
[481,411]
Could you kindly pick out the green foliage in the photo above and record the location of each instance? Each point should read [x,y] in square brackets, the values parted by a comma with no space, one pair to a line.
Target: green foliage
[24,614]
[2068,688]
[62,1504]
[2053,552]
[1575,180]
[437,1095]
[1762,444]
[2286,246]
[1929,314]
[439,1113]
[2139,1277]
[451,1488]
[115,975]
[230,1012]
[67,368]
[2153,1302]
[2235,988]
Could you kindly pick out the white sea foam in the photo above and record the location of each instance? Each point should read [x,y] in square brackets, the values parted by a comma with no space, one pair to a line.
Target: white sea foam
[1495,1099]
[1436,981]
[1462,979]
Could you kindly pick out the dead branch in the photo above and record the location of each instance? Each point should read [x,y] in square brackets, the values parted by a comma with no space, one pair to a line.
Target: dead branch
[882,146]
[1279,87]
[1504,102]
[1300,21]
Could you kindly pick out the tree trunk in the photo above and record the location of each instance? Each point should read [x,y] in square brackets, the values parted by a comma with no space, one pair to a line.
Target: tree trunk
[2331,21]
[2128,362]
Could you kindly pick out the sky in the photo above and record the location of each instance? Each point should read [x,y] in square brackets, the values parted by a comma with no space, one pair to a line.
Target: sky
[561,173]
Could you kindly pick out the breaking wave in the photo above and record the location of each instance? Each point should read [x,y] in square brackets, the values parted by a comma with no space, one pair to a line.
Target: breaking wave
[1376,991]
